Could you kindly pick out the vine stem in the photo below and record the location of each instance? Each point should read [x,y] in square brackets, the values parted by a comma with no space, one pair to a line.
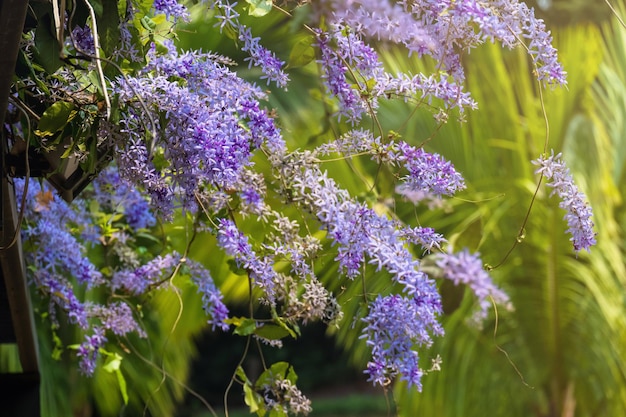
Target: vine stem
[520,234]
[96,45]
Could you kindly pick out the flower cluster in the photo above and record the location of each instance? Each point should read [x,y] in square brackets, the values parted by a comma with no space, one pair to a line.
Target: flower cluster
[259,56]
[55,235]
[429,172]
[212,299]
[579,213]
[83,39]
[283,396]
[466,268]
[364,236]
[88,351]
[236,244]
[442,28]
[352,73]
[172,9]
[213,123]
[114,194]
[395,325]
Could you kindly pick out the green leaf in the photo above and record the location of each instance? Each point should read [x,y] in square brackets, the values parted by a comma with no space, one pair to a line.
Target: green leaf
[242,374]
[243,326]
[293,332]
[273,332]
[277,412]
[55,118]
[113,362]
[148,23]
[98,7]
[48,52]
[282,370]
[113,365]
[58,346]
[259,8]
[108,27]
[250,397]
[122,383]
[302,52]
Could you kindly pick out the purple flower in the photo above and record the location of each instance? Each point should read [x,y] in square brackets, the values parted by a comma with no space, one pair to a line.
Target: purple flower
[117,317]
[335,79]
[424,236]
[466,268]
[113,192]
[261,57]
[83,40]
[212,124]
[211,297]
[88,351]
[579,213]
[429,172]
[395,327]
[137,281]
[441,29]
[172,9]
[236,244]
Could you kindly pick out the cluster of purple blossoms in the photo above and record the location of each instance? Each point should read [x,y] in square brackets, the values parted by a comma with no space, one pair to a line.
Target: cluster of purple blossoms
[263,58]
[426,237]
[172,9]
[88,351]
[212,123]
[353,73]
[59,253]
[116,317]
[364,236]
[466,268]
[429,172]
[579,213]
[259,56]
[236,244]
[395,327]
[212,299]
[283,396]
[442,28]
[115,194]
[380,20]
[151,274]
[335,79]
[62,272]
[83,40]
[61,294]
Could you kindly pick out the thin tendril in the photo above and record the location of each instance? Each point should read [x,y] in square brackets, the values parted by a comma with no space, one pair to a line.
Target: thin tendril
[495,332]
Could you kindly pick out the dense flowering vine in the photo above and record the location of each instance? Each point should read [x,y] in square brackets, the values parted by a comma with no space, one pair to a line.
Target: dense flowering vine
[57,237]
[190,135]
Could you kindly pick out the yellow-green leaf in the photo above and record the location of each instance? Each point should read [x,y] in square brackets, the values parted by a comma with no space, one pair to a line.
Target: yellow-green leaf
[55,118]
[272,332]
[250,398]
[302,52]
[259,8]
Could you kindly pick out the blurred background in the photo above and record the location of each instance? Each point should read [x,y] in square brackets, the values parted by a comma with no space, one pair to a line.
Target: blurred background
[561,352]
